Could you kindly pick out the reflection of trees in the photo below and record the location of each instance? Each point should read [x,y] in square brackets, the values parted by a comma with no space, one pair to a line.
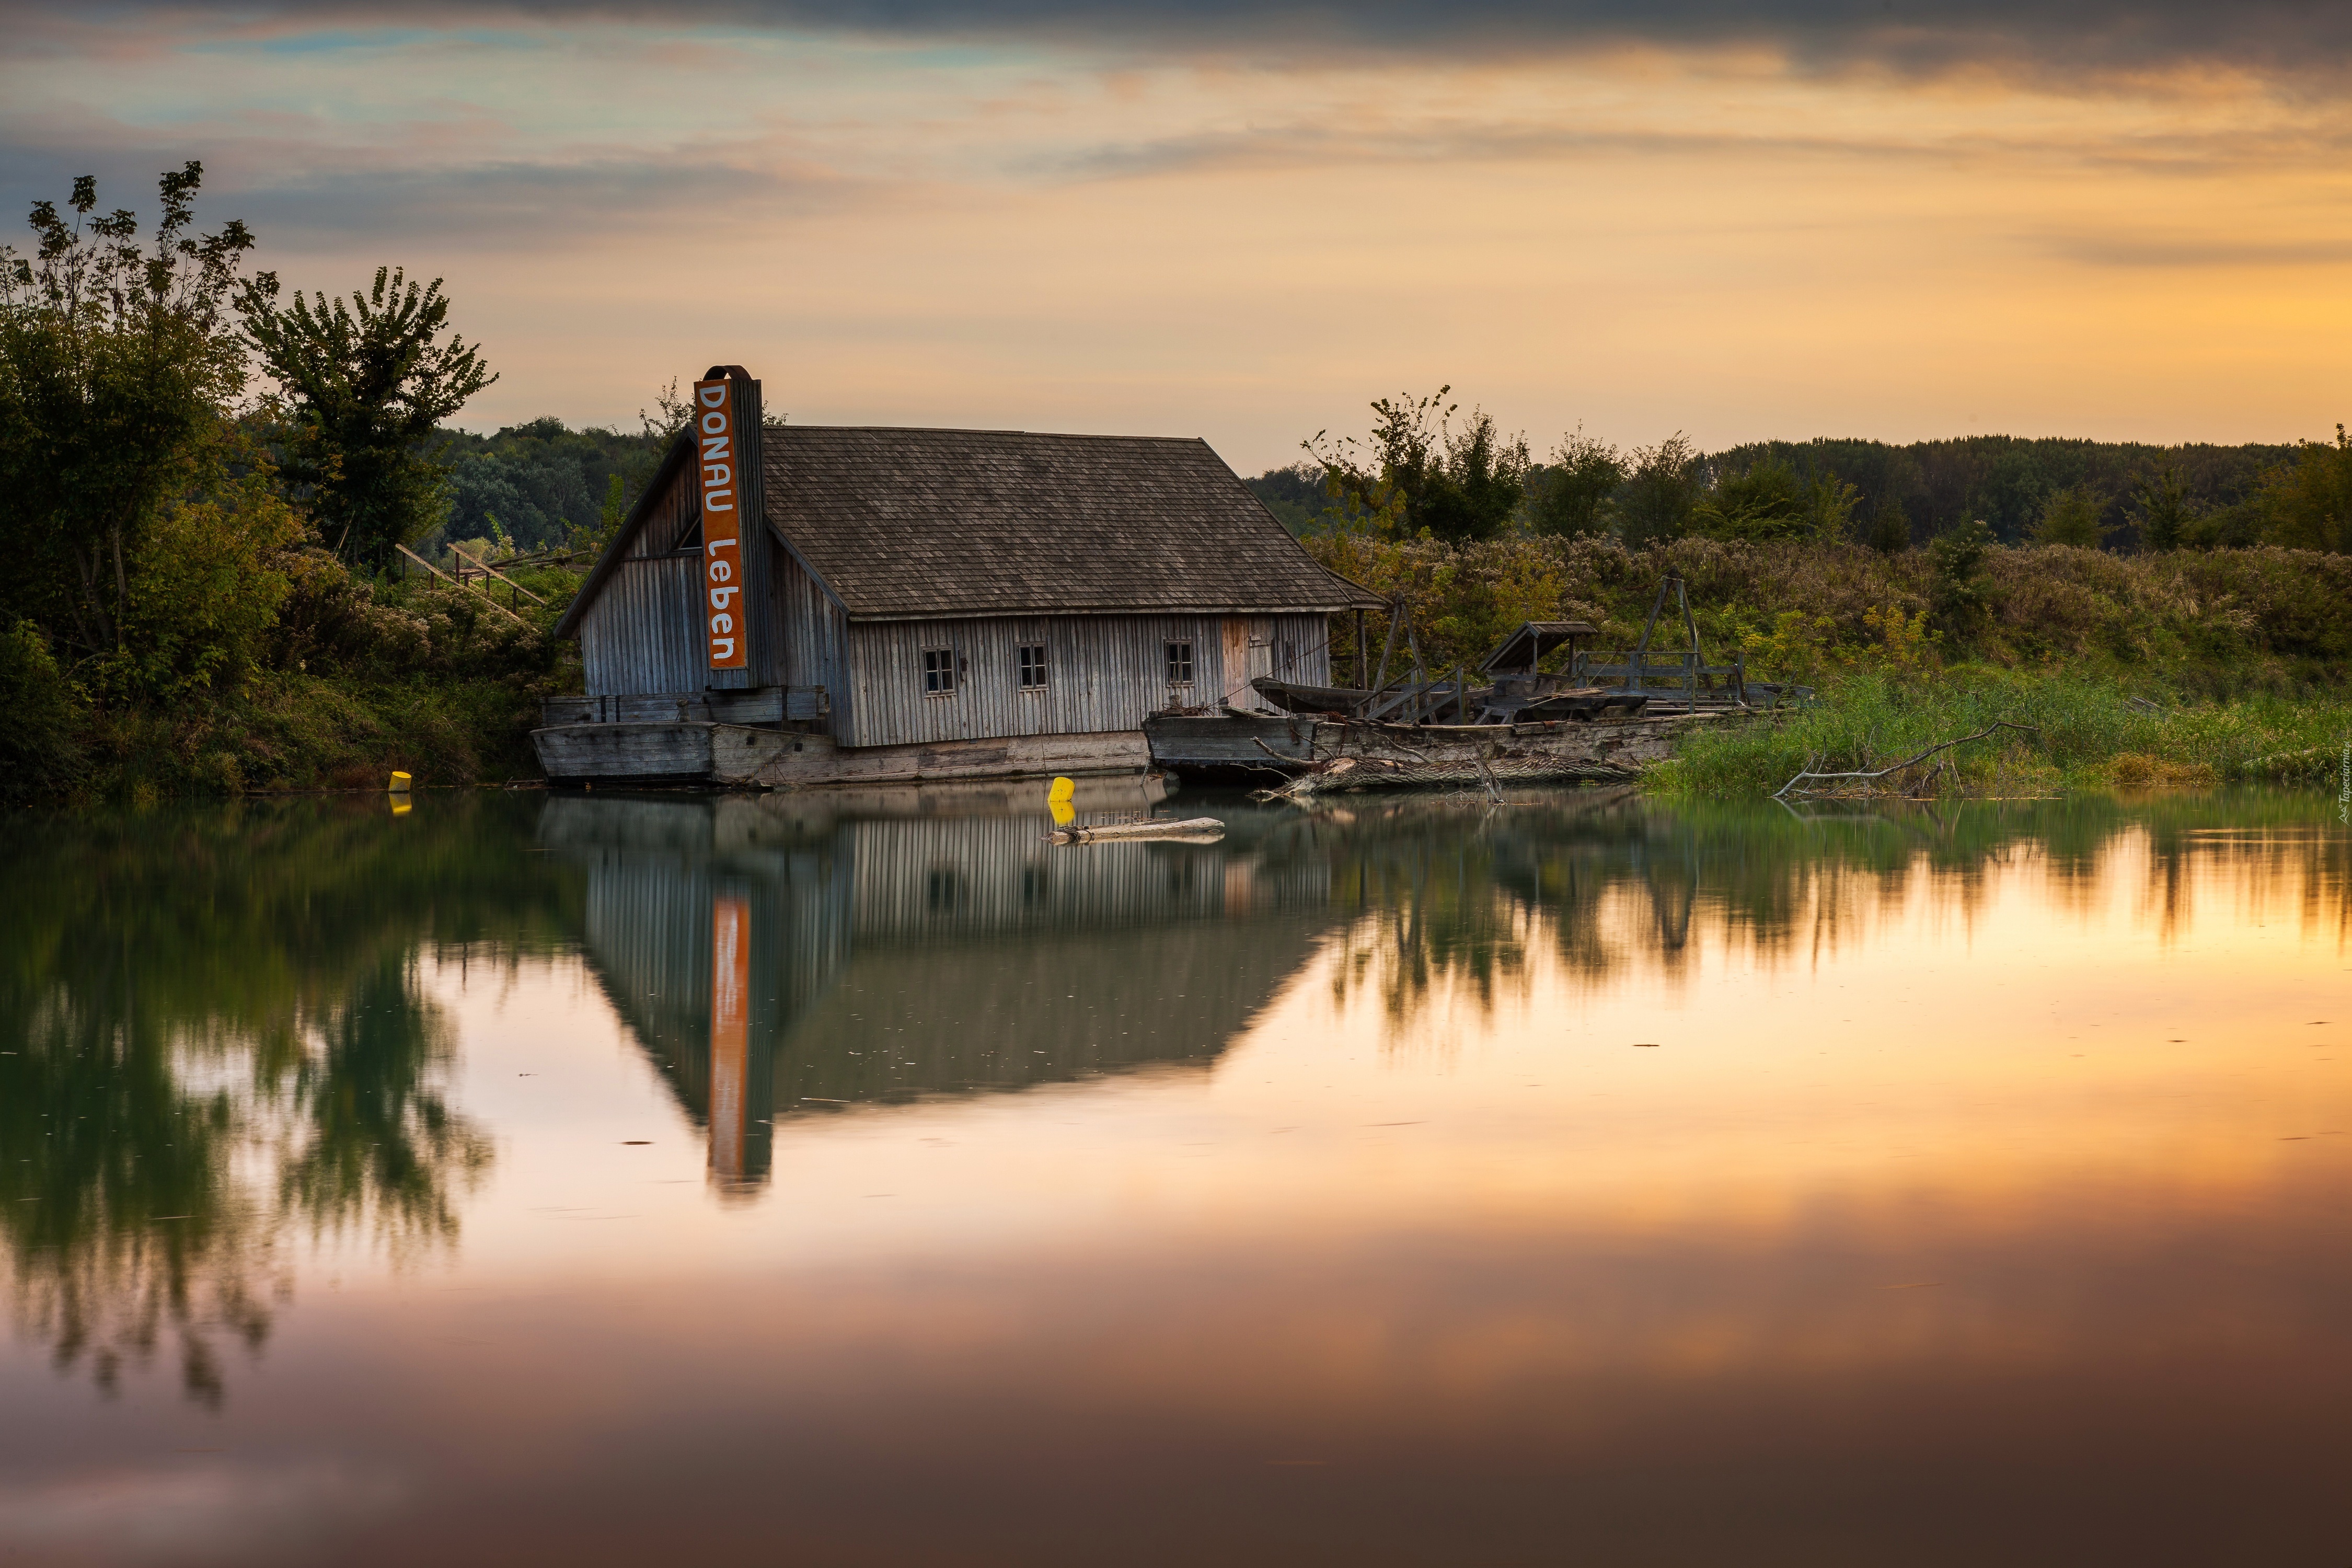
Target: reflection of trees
[1448,893]
[216,1031]
[1426,890]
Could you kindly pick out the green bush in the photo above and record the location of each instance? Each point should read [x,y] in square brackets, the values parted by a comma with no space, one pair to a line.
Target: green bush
[40,746]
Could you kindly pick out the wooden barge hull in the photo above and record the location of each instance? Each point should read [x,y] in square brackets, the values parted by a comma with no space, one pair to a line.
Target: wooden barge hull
[745,756]
[1316,753]
[670,746]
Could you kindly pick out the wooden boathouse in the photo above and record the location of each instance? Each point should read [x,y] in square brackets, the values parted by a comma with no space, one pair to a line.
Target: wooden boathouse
[904,603]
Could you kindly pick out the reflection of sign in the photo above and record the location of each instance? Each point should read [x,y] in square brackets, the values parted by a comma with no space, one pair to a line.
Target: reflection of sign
[722,458]
[730,986]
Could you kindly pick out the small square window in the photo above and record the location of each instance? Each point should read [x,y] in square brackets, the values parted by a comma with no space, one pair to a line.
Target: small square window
[1033,666]
[1180,664]
[938,672]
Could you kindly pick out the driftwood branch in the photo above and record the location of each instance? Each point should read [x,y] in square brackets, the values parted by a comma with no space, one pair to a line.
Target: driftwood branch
[1908,762]
[1493,791]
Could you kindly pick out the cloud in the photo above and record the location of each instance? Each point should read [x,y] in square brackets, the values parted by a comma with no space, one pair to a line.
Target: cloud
[533,203]
[1907,37]
[2197,251]
[306,181]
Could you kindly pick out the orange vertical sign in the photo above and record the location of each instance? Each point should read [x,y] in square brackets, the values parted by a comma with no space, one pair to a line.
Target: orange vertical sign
[730,1056]
[722,453]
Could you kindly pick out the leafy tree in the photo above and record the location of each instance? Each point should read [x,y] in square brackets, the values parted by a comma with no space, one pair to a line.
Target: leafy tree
[40,754]
[2310,504]
[117,368]
[2164,506]
[1660,491]
[1829,507]
[1294,494]
[1767,501]
[1460,485]
[675,412]
[367,385]
[1479,490]
[1568,496]
[1955,567]
[2072,516]
[1890,527]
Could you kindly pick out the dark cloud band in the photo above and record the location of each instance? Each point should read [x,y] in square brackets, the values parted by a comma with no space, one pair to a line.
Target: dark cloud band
[1909,35]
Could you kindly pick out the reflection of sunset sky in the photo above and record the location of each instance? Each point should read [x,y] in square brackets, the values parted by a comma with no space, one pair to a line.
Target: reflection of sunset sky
[2016,1209]
[1973,1066]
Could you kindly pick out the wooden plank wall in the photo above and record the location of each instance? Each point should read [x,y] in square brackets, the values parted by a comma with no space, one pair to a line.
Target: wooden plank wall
[645,632]
[1106,672]
[813,638]
[642,634]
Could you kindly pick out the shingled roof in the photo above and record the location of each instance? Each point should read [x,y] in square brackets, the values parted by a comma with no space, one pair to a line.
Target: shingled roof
[901,525]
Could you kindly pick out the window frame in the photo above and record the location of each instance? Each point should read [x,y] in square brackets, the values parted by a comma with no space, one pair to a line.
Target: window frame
[1030,659]
[1171,661]
[941,672]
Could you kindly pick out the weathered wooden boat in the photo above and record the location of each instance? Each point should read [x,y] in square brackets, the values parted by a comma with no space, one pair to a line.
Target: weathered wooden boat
[1307,754]
[1520,724]
[1510,700]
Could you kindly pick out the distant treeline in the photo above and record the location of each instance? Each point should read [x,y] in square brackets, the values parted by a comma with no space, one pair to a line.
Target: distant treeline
[2007,481]
[540,485]
[1421,469]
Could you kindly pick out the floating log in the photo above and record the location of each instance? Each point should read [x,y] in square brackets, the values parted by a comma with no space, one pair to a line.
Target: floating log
[1199,830]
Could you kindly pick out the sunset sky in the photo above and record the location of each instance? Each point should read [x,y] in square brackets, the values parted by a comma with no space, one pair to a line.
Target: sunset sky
[1866,218]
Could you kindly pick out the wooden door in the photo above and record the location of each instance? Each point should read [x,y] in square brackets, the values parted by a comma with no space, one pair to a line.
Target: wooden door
[1234,675]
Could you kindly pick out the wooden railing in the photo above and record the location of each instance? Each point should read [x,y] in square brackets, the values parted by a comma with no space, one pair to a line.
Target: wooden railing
[1682,677]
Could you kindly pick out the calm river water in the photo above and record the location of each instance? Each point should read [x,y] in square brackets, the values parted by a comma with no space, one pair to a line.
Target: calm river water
[861,1179]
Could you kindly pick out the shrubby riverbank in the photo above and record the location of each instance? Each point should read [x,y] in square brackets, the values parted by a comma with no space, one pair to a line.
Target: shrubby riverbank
[356,679]
[2172,666]
[2176,668]
[2083,730]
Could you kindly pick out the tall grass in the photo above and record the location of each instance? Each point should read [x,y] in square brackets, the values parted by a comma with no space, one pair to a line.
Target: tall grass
[2083,730]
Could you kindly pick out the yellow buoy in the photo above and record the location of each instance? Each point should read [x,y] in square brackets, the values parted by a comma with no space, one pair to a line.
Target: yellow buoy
[1057,800]
[1062,790]
[400,783]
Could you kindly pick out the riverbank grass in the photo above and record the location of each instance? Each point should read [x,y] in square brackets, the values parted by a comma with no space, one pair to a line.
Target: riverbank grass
[2082,732]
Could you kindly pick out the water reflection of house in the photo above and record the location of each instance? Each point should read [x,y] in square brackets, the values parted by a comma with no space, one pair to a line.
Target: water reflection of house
[909,943]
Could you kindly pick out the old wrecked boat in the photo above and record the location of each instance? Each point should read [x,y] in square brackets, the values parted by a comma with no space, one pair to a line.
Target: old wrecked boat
[1601,719]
